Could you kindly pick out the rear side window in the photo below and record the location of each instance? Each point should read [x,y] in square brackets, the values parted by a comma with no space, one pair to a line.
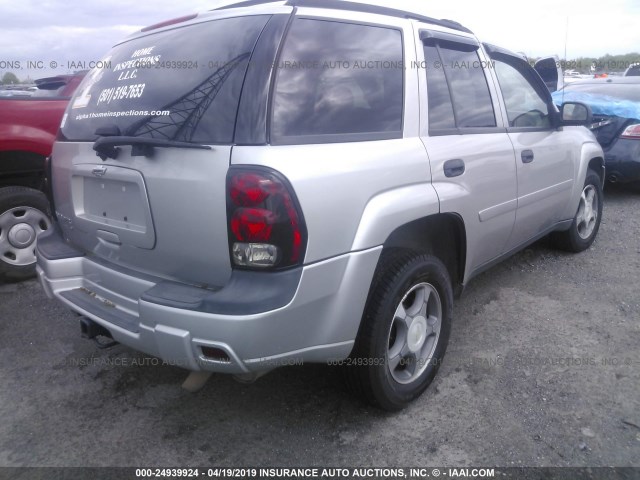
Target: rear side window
[338,82]
[440,105]
[457,88]
[182,84]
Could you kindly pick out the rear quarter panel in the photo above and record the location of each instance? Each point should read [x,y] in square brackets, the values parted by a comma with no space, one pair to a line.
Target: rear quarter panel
[337,183]
[30,124]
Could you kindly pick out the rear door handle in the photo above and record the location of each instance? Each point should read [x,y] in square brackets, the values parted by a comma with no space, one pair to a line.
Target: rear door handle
[527,156]
[454,168]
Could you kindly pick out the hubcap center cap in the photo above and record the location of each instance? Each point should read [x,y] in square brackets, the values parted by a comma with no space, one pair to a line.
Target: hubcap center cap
[417,334]
[21,235]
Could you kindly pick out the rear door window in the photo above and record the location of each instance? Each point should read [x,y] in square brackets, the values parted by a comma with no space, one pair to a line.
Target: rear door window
[182,84]
[338,82]
[440,104]
[457,88]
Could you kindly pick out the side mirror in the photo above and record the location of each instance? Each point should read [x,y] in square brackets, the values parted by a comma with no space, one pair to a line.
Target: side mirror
[576,114]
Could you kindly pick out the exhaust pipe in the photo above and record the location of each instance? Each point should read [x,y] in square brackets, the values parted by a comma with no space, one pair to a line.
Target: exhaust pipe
[196,381]
[249,378]
[613,178]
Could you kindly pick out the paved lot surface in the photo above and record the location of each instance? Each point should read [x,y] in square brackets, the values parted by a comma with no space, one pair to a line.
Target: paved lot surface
[543,369]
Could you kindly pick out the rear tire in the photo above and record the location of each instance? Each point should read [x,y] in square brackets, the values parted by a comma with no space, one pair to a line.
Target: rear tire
[24,214]
[404,332]
[586,221]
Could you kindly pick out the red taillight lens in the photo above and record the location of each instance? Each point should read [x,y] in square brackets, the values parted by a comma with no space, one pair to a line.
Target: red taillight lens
[248,190]
[253,225]
[631,132]
[266,229]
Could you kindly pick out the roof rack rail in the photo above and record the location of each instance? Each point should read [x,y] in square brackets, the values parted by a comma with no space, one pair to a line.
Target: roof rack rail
[245,3]
[357,7]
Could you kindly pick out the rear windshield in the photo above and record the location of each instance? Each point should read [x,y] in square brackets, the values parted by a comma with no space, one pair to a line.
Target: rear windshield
[182,84]
[49,92]
[52,91]
[633,71]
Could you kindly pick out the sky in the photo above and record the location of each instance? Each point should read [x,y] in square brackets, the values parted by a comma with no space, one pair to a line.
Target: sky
[60,32]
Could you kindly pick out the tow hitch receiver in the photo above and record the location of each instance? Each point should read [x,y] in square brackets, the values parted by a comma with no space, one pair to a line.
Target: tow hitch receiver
[92,330]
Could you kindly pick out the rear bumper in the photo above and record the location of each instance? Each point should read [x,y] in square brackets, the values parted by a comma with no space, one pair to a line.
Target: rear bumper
[622,161]
[259,320]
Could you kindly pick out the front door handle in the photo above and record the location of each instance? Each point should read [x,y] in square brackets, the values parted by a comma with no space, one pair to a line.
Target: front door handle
[527,156]
[454,168]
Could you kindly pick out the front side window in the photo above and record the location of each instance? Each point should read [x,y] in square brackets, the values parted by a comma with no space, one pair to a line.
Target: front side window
[338,82]
[526,106]
[457,88]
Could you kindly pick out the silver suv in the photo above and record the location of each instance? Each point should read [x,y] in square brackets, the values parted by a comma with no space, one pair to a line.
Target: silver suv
[306,180]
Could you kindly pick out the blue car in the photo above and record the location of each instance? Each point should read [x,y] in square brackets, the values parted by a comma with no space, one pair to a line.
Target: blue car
[615,103]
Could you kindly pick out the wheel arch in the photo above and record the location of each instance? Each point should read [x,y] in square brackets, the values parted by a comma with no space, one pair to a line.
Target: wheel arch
[22,168]
[442,235]
[591,157]
[597,165]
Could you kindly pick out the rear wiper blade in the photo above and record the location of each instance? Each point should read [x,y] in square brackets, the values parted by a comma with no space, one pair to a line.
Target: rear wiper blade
[107,147]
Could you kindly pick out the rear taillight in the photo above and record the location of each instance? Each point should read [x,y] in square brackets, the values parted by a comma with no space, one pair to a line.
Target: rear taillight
[265,225]
[631,132]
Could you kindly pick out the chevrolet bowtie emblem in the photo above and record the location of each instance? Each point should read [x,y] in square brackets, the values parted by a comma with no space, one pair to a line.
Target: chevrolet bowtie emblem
[99,171]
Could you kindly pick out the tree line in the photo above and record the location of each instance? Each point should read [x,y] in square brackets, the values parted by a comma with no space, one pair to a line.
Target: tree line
[9,78]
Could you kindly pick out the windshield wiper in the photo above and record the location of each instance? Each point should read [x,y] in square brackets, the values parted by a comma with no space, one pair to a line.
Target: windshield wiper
[107,147]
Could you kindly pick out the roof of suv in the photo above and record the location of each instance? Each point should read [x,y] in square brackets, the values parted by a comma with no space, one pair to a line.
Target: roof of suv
[406,9]
[382,7]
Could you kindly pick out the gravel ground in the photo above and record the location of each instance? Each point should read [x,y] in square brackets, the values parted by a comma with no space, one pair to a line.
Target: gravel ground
[542,370]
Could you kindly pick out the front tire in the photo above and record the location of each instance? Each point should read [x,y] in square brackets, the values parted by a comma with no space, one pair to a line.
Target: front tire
[24,214]
[404,332]
[586,222]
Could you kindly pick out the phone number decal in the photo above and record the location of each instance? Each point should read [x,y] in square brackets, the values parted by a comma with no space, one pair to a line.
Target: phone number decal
[120,93]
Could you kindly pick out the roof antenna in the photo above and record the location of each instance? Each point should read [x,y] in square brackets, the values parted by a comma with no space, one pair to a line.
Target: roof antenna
[566,41]
[566,38]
